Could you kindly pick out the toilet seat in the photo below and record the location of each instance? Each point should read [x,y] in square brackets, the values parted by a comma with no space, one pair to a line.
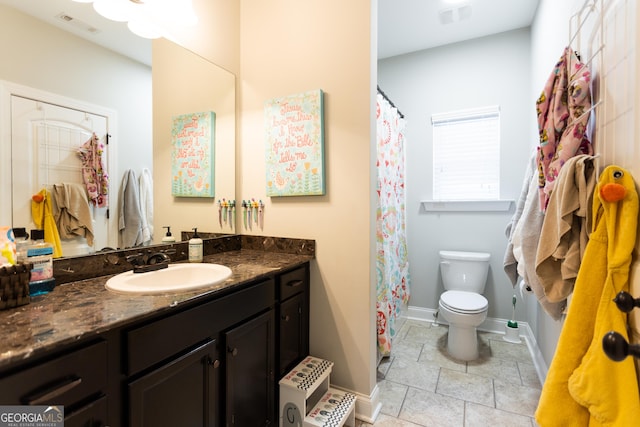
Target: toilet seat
[464,302]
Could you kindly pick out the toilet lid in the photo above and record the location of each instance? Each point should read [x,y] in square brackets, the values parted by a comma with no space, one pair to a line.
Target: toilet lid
[464,302]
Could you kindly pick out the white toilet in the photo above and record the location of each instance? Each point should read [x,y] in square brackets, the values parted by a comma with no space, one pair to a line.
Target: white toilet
[464,275]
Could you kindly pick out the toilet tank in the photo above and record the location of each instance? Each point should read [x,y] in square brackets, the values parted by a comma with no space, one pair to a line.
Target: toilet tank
[464,271]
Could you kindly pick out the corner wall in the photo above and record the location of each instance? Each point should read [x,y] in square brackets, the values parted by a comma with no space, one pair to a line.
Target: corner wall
[216,37]
[288,47]
[616,80]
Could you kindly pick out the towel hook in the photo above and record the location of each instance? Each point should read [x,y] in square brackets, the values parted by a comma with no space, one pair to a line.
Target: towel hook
[626,302]
[614,344]
[617,348]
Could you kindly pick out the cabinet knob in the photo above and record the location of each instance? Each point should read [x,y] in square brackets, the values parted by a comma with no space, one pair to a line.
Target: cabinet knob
[233,351]
[285,317]
[214,363]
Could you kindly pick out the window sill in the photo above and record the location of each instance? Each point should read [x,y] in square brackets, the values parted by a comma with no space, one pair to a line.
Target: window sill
[466,205]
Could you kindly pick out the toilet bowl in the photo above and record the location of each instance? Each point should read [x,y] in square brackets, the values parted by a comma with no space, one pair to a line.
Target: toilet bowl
[464,276]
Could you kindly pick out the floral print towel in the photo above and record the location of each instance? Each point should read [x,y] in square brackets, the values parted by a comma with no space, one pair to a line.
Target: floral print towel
[94,175]
[563,115]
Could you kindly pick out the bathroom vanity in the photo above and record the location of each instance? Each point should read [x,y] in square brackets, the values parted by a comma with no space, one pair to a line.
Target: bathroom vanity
[208,358]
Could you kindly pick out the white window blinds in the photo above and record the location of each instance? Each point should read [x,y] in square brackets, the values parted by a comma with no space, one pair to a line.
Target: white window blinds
[466,154]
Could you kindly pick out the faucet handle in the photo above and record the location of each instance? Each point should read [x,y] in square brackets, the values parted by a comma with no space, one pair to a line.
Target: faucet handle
[136,259]
[158,258]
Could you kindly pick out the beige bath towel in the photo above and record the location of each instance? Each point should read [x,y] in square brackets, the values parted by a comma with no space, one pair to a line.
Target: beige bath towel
[71,211]
[566,226]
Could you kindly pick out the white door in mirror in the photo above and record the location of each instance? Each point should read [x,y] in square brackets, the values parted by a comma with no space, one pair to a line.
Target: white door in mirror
[175,278]
[45,139]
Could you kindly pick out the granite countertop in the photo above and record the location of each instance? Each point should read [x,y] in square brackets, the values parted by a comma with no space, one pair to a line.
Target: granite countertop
[84,308]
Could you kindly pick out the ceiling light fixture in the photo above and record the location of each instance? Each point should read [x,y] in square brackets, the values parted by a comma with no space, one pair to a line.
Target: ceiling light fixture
[147,18]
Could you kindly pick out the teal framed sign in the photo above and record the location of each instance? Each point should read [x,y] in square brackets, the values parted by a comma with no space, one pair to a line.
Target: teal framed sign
[192,155]
[294,128]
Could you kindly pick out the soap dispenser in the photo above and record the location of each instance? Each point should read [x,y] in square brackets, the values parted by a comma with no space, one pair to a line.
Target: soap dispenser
[195,247]
[168,238]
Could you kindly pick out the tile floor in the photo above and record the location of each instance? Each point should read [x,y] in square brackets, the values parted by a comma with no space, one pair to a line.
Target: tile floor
[420,385]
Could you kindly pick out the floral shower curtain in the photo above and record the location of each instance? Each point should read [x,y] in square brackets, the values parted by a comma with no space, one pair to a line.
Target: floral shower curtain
[392,264]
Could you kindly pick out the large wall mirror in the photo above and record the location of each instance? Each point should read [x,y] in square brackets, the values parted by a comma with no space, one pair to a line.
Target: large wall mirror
[142,90]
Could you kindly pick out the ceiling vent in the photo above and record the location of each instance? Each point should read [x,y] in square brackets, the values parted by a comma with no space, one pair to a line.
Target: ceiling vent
[455,14]
[76,23]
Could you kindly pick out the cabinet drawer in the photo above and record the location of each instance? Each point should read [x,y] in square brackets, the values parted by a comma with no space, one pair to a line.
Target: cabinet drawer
[164,338]
[293,282]
[65,380]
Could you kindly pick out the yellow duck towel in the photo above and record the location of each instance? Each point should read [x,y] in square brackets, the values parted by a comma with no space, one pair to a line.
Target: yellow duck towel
[608,389]
[42,213]
[606,259]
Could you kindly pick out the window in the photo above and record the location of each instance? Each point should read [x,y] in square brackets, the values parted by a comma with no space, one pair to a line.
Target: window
[466,154]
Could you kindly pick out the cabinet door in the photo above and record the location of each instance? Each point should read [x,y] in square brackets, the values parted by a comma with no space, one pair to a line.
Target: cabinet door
[294,338]
[91,415]
[184,392]
[250,381]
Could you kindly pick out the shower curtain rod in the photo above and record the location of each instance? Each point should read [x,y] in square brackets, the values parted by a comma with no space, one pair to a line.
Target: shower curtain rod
[384,95]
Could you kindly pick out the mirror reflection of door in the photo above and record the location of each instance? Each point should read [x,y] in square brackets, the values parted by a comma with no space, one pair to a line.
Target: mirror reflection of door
[45,139]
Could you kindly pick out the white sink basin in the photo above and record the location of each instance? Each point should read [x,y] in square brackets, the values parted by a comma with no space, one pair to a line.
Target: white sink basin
[174,278]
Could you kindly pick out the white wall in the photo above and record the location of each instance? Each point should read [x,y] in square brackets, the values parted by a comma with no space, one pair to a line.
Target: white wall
[549,36]
[492,70]
[614,71]
[41,56]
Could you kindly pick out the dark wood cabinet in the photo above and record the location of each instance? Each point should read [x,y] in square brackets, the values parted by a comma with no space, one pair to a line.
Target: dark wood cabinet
[213,362]
[183,392]
[93,414]
[293,318]
[232,368]
[292,321]
[76,380]
[250,379]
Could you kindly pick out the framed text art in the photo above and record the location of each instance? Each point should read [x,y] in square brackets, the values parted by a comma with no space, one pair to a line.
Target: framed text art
[192,155]
[295,145]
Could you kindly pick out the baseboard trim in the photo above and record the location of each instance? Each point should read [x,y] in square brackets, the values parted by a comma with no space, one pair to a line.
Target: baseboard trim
[367,407]
[538,360]
[493,325]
